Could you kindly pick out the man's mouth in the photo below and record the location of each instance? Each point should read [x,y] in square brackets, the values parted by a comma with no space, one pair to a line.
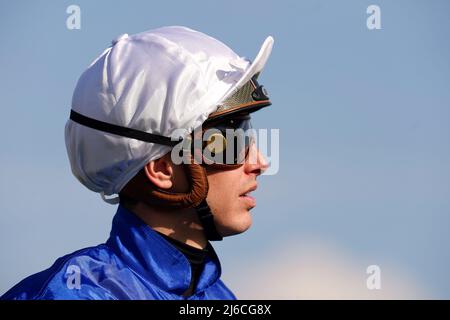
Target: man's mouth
[251,201]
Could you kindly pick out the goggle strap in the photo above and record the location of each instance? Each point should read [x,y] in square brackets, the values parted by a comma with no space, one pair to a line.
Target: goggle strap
[121,131]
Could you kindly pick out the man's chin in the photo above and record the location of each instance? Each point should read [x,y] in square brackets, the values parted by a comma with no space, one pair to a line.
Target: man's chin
[236,228]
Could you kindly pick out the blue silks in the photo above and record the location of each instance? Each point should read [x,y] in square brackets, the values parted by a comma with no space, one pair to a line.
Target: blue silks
[135,263]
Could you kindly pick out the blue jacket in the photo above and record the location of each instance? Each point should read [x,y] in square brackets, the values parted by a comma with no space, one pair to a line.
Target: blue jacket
[135,263]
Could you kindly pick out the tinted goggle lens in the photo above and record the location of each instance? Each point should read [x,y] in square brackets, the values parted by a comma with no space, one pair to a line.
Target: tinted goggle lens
[225,143]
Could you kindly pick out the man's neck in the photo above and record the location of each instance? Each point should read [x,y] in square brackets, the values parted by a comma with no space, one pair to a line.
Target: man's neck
[180,224]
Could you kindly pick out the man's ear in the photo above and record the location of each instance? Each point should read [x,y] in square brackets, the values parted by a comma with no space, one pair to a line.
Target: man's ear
[160,172]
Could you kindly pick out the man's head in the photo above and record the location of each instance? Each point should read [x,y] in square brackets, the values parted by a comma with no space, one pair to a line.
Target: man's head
[132,100]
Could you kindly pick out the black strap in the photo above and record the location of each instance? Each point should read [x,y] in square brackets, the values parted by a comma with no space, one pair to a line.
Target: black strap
[121,131]
[207,220]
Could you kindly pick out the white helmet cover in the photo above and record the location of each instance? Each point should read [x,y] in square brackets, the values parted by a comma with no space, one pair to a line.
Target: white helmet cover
[155,81]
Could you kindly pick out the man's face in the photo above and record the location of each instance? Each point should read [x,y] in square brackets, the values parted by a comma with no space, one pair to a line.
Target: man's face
[228,195]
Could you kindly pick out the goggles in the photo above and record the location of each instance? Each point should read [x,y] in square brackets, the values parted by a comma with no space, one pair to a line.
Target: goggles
[225,144]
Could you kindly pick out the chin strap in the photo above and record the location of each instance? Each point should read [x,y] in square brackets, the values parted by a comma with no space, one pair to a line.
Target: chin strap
[207,219]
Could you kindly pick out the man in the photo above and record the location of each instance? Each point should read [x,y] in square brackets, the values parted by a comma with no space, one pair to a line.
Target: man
[147,102]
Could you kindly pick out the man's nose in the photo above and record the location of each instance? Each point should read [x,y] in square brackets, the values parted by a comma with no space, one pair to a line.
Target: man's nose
[256,162]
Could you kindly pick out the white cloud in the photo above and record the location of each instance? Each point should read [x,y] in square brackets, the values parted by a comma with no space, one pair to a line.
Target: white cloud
[316,270]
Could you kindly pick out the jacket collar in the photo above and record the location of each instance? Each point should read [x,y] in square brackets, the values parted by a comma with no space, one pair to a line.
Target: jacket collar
[154,258]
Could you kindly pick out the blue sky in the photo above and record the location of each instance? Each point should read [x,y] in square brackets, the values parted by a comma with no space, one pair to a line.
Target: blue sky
[364,136]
